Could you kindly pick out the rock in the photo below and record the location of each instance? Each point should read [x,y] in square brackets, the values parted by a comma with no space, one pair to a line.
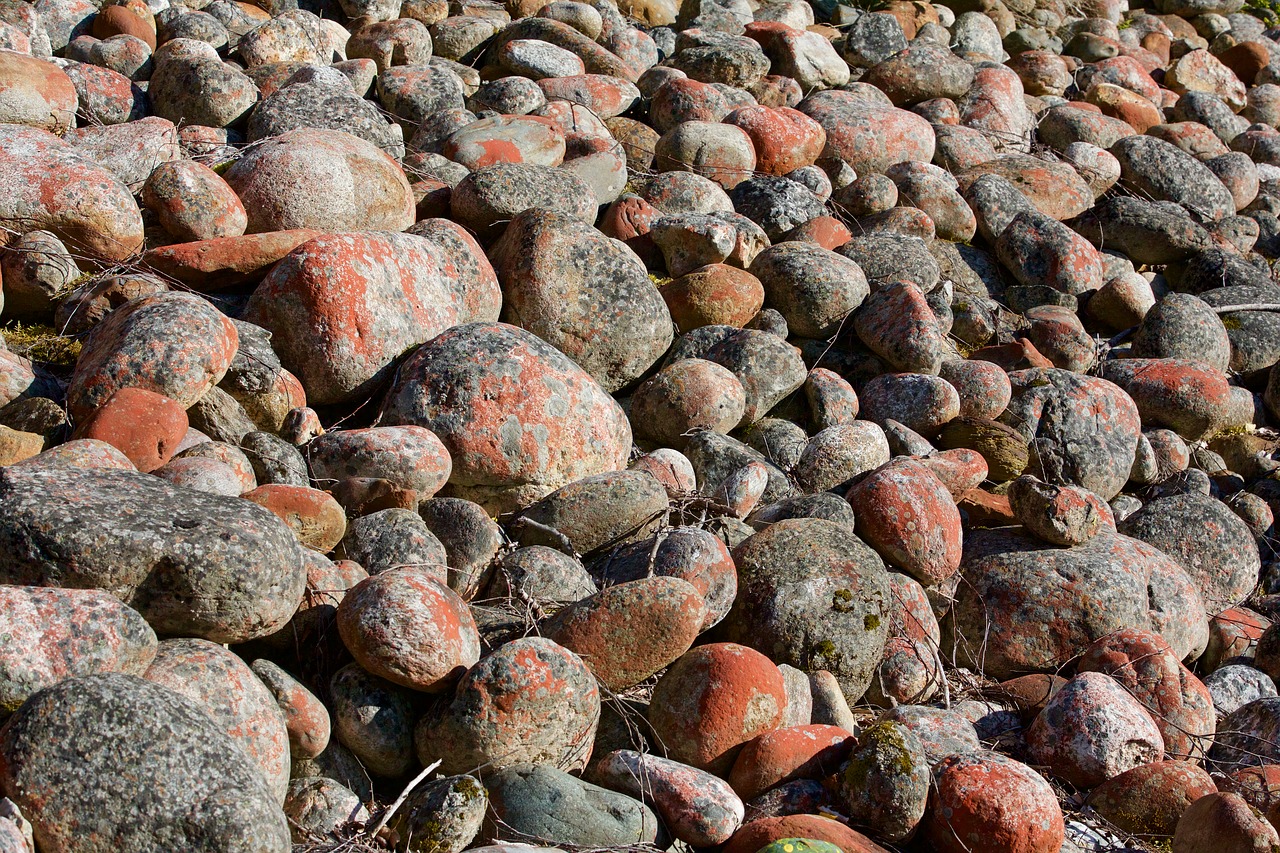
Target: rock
[582,432]
[986,799]
[1212,543]
[50,186]
[596,512]
[688,553]
[738,694]
[374,719]
[471,540]
[190,563]
[1135,586]
[759,834]
[409,628]
[146,427]
[684,397]
[193,202]
[1144,664]
[605,629]
[492,195]
[1166,173]
[314,516]
[37,94]
[886,782]
[306,719]
[318,806]
[124,352]
[794,752]
[869,135]
[208,794]
[409,456]
[1093,730]
[447,813]
[224,687]
[59,634]
[583,294]
[1075,438]
[813,596]
[696,807]
[891,504]
[530,700]
[364,188]
[1244,735]
[1222,822]
[1151,798]
[540,802]
[1060,515]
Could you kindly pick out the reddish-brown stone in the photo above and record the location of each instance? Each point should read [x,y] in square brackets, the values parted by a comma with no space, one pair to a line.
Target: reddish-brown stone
[906,513]
[211,265]
[314,516]
[796,752]
[1149,800]
[145,426]
[984,801]
[714,699]
[763,832]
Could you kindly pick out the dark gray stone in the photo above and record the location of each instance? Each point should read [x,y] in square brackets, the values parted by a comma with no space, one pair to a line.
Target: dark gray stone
[540,803]
[191,563]
[196,790]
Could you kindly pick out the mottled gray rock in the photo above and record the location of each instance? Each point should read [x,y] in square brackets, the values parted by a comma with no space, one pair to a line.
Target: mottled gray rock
[542,803]
[192,563]
[814,596]
[201,792]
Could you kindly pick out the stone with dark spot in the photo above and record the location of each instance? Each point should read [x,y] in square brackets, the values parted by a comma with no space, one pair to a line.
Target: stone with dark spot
[1082,430]
[1039,250]
[1024,606]
[409,456]
[343,307]
[56,634]
[491,196]
[203,792]
[471,540]
[1142,662]
[886,782]
[373,718]
[686,396]
[324,105]
[762,834]
[191,563]
[906,513]
[627,632]
[1247,737]
[1151,798]
[697,808]
[595,512]
[897,324]
[519,418]
[814,596]
[323,179]
[1161,171]
[444,814]
[768,367]
[688,553]
[392,538]
[531,700]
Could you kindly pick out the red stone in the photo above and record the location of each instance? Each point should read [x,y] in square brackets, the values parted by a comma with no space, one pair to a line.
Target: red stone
[984,801]
[314,516]
[796,752]
[714,699]
[145,426]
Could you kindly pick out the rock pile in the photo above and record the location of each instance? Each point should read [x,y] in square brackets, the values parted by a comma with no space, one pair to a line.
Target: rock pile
[762,425]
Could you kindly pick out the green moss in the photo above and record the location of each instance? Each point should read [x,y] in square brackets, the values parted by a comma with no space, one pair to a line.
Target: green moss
[659,280]
[41,343]
[880,749]
[870,622]
[1268,11]
[1229,321]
